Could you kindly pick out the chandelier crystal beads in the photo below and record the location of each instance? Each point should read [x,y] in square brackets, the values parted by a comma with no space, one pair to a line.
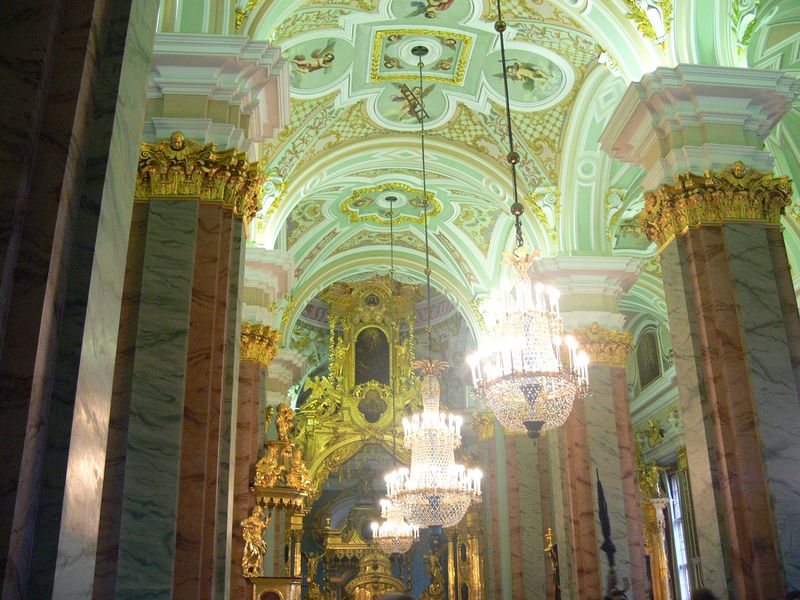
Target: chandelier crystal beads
[527,370]
[435,491]
[394,535]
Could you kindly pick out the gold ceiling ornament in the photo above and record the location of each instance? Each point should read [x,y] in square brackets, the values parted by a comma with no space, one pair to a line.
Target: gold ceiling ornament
[733,195]
[189,169]
[259,343]
[605,346]
[483,424]
[349,207]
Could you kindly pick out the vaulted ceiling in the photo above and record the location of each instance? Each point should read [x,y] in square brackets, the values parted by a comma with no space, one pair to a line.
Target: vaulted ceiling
[351,140]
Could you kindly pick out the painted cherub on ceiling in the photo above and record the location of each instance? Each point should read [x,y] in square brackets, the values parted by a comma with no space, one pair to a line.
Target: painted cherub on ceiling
[322,58]
[430,8]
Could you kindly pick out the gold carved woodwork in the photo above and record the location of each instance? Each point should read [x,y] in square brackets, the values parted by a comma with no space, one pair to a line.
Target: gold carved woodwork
[606,347]
[186,168]
[259,343]
[334,423]
[374,578]
[736,194]
[281,482]
[468,564]
[483,424]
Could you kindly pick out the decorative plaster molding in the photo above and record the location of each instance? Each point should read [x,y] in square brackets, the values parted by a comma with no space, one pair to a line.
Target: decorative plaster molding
[675,117]
[250,76]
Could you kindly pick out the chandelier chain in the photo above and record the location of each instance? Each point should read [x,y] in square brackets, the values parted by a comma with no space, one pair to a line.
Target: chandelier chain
[513,157]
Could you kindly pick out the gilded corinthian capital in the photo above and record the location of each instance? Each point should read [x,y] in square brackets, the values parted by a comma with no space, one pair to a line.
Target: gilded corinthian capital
[736,194]
[259,343]
[181,167]
[605,346]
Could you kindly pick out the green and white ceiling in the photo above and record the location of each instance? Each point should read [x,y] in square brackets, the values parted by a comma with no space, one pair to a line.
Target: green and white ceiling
[351,141]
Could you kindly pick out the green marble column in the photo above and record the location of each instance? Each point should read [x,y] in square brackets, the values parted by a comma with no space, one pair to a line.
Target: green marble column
[150,496]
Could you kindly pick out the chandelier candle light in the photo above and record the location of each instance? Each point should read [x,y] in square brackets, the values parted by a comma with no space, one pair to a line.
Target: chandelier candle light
[395,535]
[435,491]
[526,369]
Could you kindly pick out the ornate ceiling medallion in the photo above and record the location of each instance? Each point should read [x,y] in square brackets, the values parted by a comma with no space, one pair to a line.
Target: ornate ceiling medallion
[446,61]
[369,204]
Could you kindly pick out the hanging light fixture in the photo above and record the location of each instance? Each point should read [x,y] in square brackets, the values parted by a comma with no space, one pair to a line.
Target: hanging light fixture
[435,491]
[526,369]
[395,535]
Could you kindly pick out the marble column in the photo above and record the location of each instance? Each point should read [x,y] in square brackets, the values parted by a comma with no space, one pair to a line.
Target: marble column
[259,343]
[608,350]
[713,209]
[177,493]
[484,425]
[597,437]
[72,102]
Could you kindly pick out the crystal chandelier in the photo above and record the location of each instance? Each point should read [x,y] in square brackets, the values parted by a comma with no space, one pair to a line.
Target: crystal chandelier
[395,535]
[435,491]
[526,370]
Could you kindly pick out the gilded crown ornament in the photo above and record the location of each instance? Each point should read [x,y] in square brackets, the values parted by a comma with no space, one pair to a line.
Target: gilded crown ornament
[181,167]
[259,343]
[735,194]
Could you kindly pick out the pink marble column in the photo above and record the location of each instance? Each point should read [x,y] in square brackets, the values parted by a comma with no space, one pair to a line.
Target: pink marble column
[514,525]
[630,488]
[580,495]
[200,437]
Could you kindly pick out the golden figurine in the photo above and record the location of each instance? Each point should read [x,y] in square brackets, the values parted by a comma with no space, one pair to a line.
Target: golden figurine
[283,422]
[254,546]
[435,590]
[268,468]
[298,476]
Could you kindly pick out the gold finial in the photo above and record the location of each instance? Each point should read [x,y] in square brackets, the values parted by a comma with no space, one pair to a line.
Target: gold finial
[520,259]
[430,367]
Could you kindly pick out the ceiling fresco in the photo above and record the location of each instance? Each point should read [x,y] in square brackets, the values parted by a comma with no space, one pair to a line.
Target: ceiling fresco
[353,139]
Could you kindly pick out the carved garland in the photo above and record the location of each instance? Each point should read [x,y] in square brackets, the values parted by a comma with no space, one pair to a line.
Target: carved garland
[736,194]
[259,343]
[181,167]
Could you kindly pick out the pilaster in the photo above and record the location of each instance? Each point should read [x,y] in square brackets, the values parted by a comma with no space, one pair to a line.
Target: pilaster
[258,346]
[713,208]
[590,291]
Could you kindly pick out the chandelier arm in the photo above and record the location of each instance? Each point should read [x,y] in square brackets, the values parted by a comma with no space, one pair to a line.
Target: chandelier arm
[513,156]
